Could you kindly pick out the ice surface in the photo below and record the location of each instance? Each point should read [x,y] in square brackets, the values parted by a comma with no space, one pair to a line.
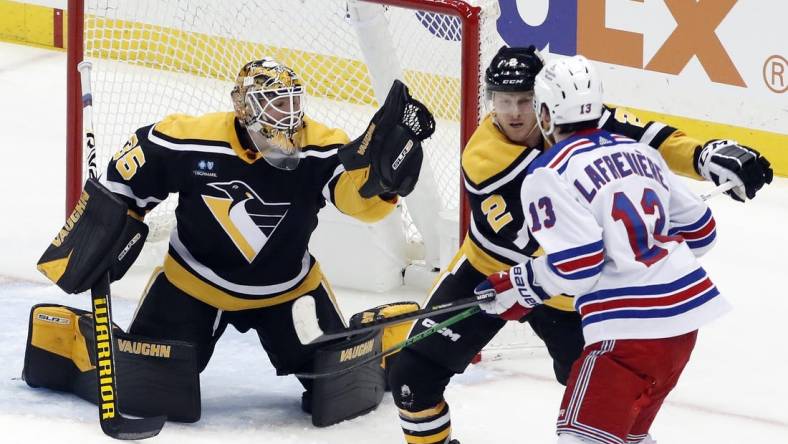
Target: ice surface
[731,392]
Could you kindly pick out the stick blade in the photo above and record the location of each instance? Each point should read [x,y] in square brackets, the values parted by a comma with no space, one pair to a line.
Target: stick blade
[129,429]
[305,320]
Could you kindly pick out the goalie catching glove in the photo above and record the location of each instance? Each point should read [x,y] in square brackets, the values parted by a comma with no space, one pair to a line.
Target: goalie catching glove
[515,292]
[390,148]
[99,235]
[726,161]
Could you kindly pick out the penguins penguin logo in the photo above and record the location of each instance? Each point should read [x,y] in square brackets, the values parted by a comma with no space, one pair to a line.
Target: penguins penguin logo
[246,218]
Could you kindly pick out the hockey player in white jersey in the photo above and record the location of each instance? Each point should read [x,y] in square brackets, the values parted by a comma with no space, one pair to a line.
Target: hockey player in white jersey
[621,233]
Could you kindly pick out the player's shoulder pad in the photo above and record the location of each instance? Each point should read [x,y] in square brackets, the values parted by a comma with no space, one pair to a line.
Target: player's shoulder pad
[316,136]
[209,128]
[624,115]
[558,156]
[488,153]
[624,121]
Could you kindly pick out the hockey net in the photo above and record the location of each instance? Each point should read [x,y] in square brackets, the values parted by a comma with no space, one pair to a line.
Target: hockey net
[152,58]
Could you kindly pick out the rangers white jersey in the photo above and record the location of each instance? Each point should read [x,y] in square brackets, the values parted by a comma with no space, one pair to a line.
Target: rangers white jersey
[621,233]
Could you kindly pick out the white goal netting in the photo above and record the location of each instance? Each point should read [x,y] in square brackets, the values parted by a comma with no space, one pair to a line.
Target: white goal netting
[152,58]
[155,57]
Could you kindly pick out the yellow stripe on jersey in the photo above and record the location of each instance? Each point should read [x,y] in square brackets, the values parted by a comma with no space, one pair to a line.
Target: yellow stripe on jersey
[190,284]
[561,302]
[220,127]
[479,259]
[314,136]
[318,135]
[488,152]
[769,143]
[348,201]
[211,127]
[678,150]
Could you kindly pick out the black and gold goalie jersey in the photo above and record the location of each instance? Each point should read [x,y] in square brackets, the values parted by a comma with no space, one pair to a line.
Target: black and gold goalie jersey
[494,168]
[242,226]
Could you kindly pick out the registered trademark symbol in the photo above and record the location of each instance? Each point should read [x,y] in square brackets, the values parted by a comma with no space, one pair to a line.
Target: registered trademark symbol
[775,74]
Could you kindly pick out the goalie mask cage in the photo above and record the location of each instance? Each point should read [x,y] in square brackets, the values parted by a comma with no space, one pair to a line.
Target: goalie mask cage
[152,58]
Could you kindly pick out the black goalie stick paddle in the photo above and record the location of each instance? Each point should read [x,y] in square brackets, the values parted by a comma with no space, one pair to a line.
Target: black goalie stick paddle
[112,422]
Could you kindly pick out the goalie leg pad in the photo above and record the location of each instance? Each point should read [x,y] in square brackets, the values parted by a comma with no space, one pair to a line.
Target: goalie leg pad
[393,334]
[353,394]
[155,377]
[98,235]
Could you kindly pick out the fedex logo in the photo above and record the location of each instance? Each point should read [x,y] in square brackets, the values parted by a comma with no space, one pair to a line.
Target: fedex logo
[578,26]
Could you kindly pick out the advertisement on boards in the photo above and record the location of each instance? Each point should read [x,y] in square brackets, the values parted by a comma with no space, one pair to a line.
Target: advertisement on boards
[721,61]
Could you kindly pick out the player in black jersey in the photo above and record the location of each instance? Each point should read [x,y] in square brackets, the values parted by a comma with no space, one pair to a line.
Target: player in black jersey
[250,184]
[494,164]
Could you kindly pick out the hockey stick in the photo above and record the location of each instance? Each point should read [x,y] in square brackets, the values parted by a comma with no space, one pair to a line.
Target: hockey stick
[396,347]
[719,189]
[112,423]
[309,332]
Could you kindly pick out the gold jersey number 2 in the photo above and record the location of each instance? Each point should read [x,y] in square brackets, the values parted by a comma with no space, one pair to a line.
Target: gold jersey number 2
[494,207]
[129,158]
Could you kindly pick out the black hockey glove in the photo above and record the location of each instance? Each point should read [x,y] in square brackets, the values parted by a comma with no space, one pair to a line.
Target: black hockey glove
[723,160]
[390,148]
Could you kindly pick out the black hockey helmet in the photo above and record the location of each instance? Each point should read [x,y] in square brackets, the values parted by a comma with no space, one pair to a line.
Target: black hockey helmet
[513,69]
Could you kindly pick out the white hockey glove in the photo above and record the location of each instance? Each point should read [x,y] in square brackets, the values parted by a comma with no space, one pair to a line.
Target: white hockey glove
[515,293]
[725,160]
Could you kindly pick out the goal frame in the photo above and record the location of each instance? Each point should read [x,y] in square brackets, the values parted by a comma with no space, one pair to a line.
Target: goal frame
[470,79]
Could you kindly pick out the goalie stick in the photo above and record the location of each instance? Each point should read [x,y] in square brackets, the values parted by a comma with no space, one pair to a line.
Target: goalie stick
[309,332]
[112,423]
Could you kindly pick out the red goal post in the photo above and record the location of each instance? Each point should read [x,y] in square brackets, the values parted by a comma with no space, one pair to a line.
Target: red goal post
[468,15]
[97,33]
[152,58]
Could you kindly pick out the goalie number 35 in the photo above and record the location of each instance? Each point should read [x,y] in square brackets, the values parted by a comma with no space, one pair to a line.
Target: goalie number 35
[129,158]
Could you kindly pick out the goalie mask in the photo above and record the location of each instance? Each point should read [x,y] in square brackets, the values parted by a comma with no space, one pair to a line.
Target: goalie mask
[269,102]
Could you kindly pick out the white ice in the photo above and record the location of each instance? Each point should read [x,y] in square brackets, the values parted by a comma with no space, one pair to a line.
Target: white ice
[731,392]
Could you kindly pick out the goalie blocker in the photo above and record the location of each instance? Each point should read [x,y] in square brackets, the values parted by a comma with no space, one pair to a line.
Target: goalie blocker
[99,235]
[155,377]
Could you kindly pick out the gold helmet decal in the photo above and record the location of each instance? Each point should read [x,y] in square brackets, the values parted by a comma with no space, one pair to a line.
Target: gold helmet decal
[269,102]
[269,92]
